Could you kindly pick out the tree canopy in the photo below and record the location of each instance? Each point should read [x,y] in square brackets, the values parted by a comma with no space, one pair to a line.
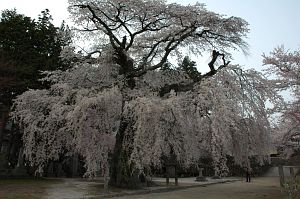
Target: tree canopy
[284,67]
[122,111]
[151,31]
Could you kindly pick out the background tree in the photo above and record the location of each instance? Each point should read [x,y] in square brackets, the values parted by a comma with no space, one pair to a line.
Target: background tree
[190,68]
[29,47]
[284,66]
[121,112]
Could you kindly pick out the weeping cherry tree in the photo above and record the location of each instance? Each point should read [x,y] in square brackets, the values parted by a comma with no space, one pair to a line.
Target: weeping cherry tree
[284,66]
[120,111]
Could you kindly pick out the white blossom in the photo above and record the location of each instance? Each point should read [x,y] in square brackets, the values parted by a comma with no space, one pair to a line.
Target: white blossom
[124,92]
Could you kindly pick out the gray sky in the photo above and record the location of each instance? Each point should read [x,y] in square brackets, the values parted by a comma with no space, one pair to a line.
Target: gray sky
[272,22]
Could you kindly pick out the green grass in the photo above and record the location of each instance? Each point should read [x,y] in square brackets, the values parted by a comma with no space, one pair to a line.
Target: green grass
[24,188]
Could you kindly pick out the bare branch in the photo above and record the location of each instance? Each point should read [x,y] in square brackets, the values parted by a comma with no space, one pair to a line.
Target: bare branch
[182,87]
[211,64]
[96,19]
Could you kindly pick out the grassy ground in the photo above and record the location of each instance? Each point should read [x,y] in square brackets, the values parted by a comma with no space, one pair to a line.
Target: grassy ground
[24,188]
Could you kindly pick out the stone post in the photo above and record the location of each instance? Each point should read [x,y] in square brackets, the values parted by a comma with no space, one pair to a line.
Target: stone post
[281,175]
[106,179]
[167,176]
[201,172]
[176,177]
[1,123]
[20,158]
[200,177]
[20,170]
[292,172]
[50,171]
[75,165]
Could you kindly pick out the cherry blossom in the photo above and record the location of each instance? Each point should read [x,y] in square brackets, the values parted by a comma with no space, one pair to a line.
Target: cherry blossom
[284,66]
[121,110]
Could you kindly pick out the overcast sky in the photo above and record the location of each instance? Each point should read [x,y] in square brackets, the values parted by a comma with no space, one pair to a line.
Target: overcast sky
[272,22]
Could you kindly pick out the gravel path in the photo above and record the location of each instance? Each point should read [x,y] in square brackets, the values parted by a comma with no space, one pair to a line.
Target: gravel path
[73,189]
[259,188]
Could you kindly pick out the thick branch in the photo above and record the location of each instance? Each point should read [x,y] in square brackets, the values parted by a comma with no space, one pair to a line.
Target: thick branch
[211,64]
[163,46]
[90,54]
[183,87]
[145,28]
[96,19]
[180,87]
[172,44]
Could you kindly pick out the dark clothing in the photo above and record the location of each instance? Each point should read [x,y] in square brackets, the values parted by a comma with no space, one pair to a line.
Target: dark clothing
[142,177]
[248,176]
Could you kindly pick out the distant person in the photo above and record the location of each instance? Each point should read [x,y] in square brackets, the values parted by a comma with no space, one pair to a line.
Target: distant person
[142,177]
[248,175]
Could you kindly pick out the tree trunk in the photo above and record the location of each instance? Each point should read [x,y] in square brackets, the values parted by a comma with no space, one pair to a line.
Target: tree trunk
[122,172]
[281,175]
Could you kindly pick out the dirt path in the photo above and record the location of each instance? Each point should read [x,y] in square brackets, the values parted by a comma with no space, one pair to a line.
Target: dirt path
[73,188]
[259,188]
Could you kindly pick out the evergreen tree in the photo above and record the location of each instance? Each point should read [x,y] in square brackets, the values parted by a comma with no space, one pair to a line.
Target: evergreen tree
[189,67]
[27,47]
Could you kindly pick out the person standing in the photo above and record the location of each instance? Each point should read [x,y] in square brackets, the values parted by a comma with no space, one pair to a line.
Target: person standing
[248,175]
